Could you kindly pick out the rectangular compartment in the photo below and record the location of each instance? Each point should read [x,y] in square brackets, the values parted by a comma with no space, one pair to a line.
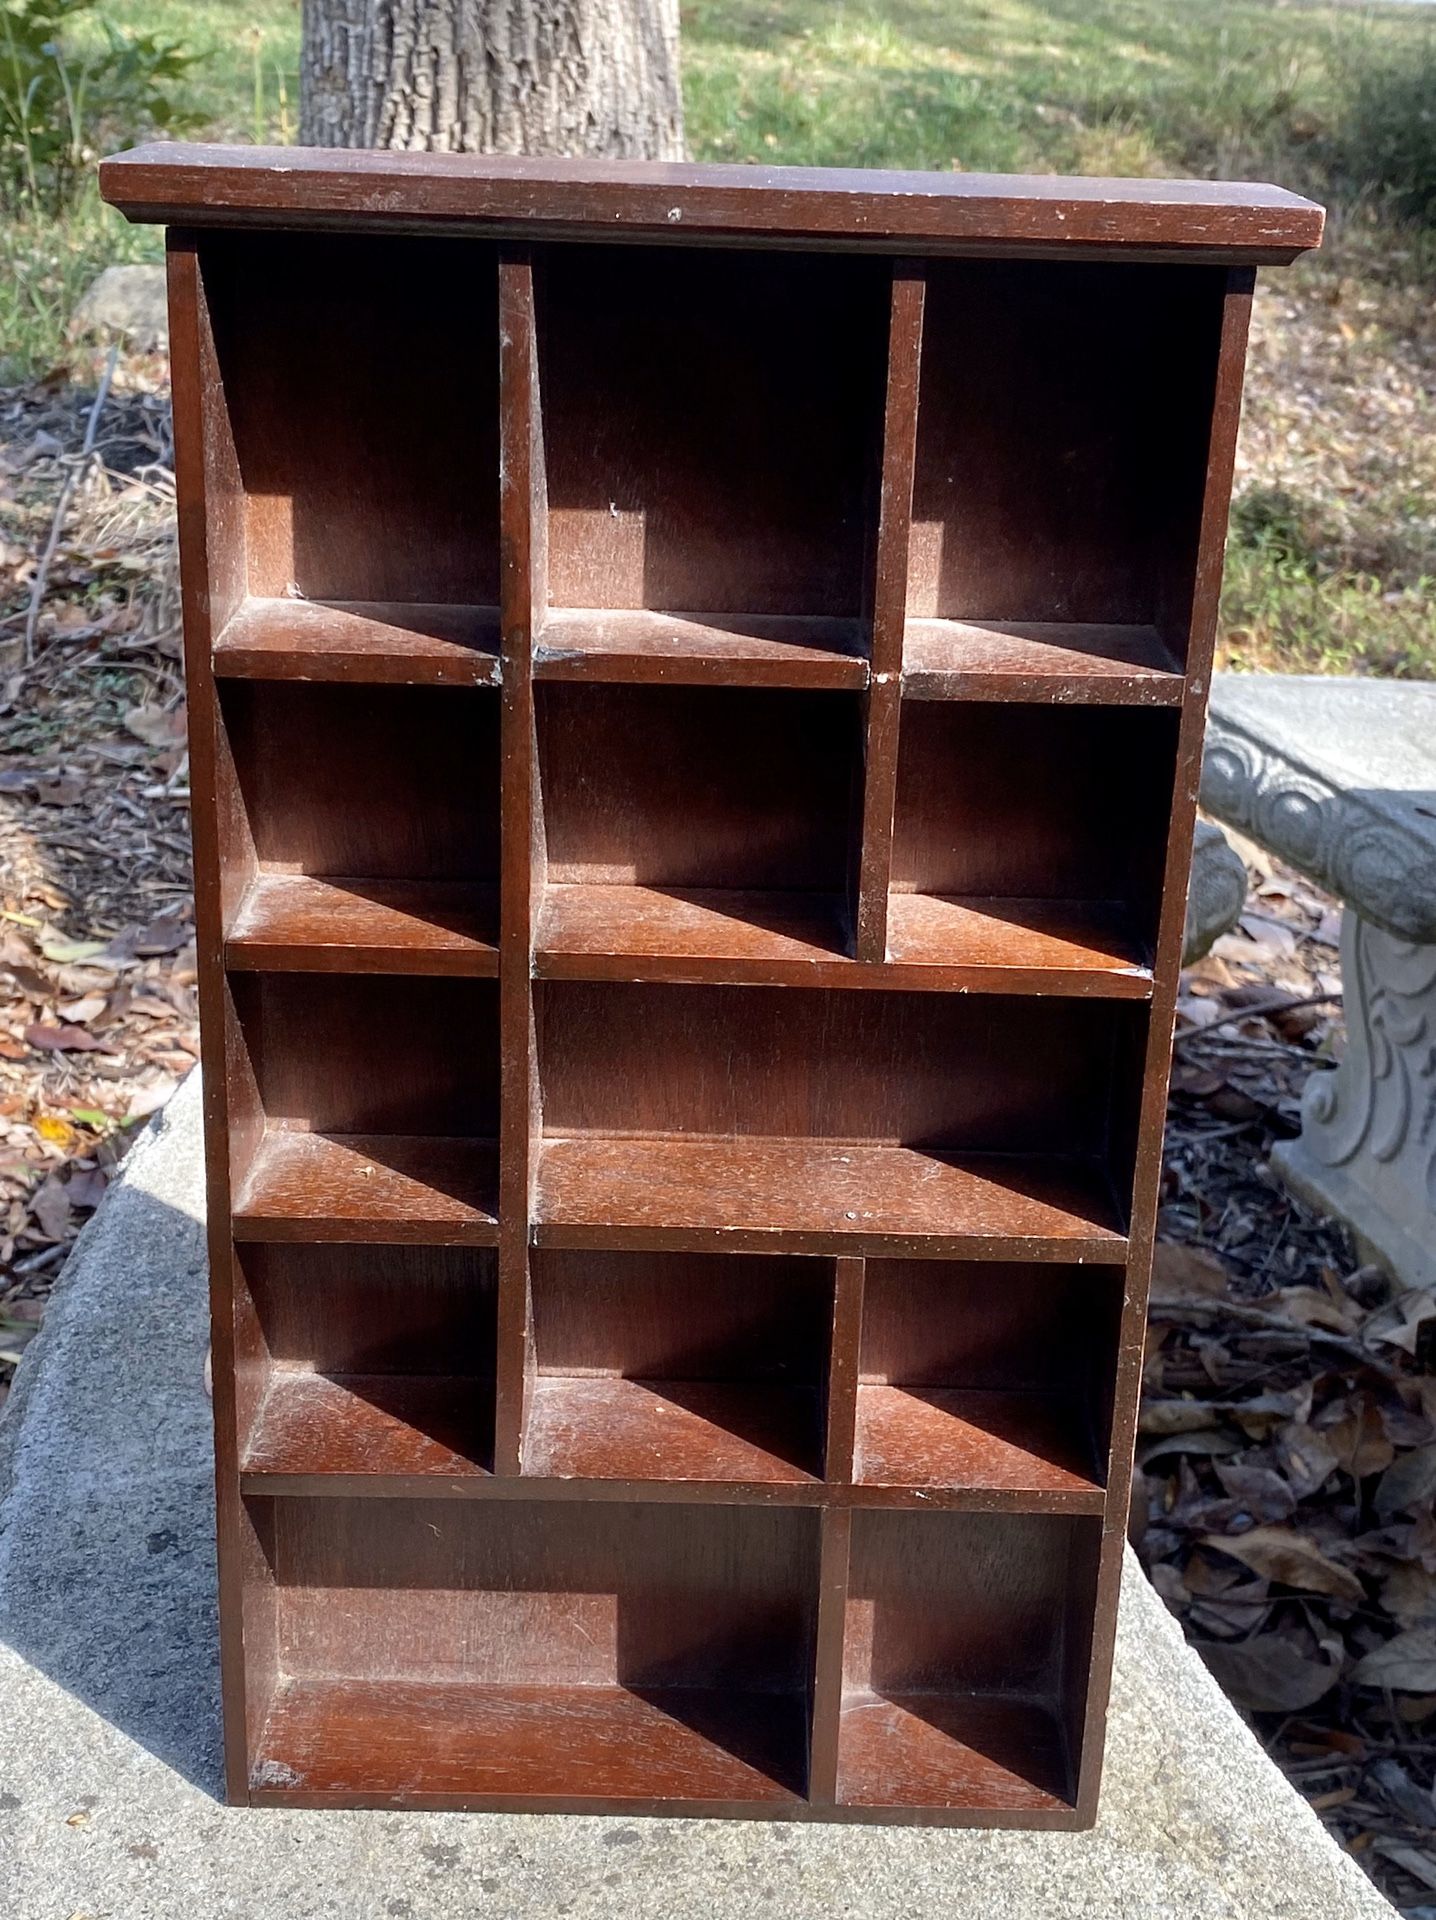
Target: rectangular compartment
[1059,478]
[988,1382]
[365,828]
[373,1361]
[689,829]
[363,1107]
[698,1116]
[679,1366]
[361,435]
[711,427]
[1038,833]
[966,1645]
[535,1650]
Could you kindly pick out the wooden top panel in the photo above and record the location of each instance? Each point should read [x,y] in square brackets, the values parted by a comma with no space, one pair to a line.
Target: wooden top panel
[940,212]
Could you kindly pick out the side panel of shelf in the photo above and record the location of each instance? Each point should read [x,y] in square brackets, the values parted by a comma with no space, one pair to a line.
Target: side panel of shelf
[212,582]
[1219,386]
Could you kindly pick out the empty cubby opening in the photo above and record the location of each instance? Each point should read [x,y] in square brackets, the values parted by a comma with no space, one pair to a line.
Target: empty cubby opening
[1044,819]
[682,1366]
[364,1359]
[673,1644]
[1059,468]
[977,1374]
[712,428]
[358,1093]
[752,1105]
[362,433]
[966,1648]
[355,805]
[671,813]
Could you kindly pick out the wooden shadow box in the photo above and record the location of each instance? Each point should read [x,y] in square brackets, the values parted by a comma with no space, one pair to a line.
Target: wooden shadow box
[696,688]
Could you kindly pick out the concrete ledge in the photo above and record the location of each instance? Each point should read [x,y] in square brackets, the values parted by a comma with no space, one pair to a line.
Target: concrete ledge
[109,1738]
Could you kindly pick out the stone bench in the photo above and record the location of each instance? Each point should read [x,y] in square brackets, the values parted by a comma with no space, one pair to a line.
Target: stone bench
[1338,778]
[109,1732]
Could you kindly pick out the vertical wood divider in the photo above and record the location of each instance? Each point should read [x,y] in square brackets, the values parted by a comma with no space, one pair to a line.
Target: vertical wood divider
[827,1711]
[843,1368]
[523,524]
[889,608]
[1201,624]
[212,581]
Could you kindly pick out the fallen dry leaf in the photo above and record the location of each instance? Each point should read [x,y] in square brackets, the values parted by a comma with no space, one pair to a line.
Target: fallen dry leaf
[66,1040]
[1268,1674]
[1405,1664]
[1294,1559]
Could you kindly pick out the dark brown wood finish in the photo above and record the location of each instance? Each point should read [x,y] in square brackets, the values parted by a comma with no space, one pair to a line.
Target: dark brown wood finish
[692,813]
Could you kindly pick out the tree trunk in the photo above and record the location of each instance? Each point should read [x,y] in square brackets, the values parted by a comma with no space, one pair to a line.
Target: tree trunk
[493,76]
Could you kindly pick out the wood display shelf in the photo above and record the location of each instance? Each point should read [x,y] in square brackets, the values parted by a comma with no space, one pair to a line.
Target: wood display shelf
[696,685]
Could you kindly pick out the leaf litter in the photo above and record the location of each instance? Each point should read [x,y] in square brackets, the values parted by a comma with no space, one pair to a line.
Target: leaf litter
[97,972]
[1286,1451]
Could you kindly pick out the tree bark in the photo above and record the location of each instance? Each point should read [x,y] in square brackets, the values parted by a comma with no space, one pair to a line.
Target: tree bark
[493,76]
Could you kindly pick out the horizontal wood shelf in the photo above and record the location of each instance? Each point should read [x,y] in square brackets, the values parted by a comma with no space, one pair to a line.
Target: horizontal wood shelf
[312,1424]
[935,943]
[696,649]
[1066,663]
[955,1751]
[354,1740]
[1034,1450]
[686,1430]
[1016,946]
[822,1197]
[402,1188]
[396,645]
[300,922]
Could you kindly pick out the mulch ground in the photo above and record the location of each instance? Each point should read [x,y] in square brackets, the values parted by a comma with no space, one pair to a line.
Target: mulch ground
[1287,1452]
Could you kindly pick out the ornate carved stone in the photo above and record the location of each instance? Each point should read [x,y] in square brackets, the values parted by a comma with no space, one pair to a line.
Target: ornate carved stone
[1367,1149]
[1338,778]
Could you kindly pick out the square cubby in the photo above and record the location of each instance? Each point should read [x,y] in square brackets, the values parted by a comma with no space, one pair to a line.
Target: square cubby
[360,435]
[1059,470]
[364,1361]
[711,428]
[687,826]
[678,1366]
[843,1117]
[363,1100]
[633,1652]
[966,1646]
[988,1379]
[1036,833]
[364,834]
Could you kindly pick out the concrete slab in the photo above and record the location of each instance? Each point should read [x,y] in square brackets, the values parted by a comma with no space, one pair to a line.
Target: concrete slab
[109,1736]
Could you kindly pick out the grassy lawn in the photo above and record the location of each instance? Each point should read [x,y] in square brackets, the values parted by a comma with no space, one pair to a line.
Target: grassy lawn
[1333,557]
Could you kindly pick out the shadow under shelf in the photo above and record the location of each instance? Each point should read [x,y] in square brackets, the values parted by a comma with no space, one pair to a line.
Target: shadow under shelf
[1069,663]
[314,1425]
[961,1446]
[752,937]
[700,649]
[353,1740]
[406,1188]
[614,1428]
[391,643]
[319,923]
[822,1196]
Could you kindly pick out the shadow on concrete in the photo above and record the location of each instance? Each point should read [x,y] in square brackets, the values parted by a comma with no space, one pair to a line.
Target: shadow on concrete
[107,1566]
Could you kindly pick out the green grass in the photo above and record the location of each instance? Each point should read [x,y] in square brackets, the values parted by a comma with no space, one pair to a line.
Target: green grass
[1334,544]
